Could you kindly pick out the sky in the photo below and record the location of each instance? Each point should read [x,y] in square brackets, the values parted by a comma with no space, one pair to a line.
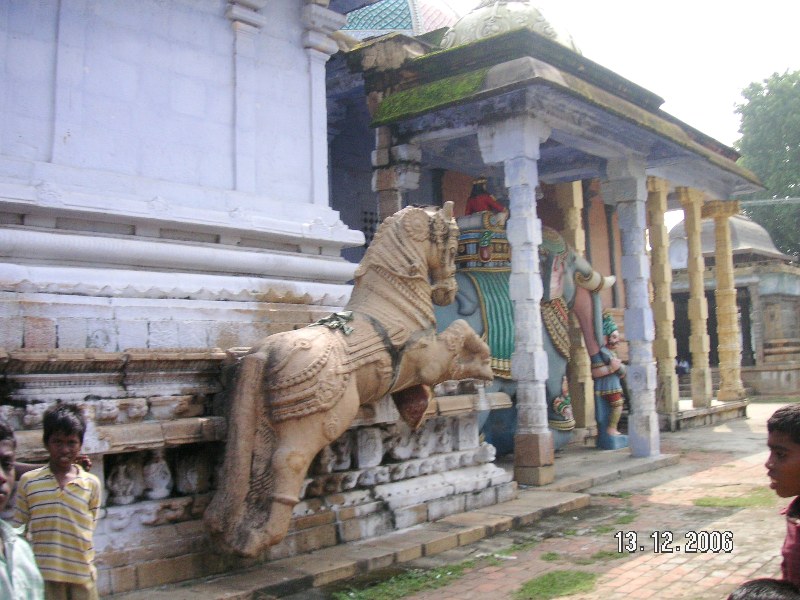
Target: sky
[697,55]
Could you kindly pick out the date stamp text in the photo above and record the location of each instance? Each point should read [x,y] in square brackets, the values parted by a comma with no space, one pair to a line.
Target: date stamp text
[666,542]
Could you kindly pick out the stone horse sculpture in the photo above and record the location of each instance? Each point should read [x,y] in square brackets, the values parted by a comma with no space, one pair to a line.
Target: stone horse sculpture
[296,392]
[570,283]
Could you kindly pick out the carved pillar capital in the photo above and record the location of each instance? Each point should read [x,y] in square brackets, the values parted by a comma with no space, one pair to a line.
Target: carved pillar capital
[689,197]
[247,12]
[516,137]
[320,23]
[718,209]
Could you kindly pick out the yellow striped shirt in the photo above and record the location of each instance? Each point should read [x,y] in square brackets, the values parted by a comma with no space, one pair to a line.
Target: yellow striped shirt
[60,522]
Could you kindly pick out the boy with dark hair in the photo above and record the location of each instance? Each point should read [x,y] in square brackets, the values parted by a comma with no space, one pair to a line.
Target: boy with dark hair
[783,469]
[19,577]
[58,503]
[765,589]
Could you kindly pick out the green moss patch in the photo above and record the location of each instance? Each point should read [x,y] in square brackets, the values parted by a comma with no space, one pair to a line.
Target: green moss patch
[556,584]
[407,583]
[761,496]
[429,96]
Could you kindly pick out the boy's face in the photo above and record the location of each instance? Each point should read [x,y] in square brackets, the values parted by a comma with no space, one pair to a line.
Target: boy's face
[7,459]
[63,449]
[783,464]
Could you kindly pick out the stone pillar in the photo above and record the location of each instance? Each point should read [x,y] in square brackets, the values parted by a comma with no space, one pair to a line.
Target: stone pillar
[395,169]
[756,323]
[569,198]
[627,188]
[246,22]
[515,143]
[664,346]
[730,347]
[320,22]
[692,201]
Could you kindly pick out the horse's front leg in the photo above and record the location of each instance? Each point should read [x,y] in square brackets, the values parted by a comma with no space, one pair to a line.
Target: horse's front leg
[298,441]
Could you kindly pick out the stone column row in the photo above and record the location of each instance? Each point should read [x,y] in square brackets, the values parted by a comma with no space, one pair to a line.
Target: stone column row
[515,144]
[729,343]
[627,188]
[664,346]
[692,201]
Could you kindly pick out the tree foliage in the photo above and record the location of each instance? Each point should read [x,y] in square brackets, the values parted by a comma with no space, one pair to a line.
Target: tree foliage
[770,147]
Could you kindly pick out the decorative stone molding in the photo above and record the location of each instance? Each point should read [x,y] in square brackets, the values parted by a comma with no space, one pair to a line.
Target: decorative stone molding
[247,12]
[320,23]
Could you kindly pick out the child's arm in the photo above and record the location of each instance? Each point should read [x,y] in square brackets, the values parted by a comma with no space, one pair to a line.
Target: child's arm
[94,501]
[21,510]
[22,468]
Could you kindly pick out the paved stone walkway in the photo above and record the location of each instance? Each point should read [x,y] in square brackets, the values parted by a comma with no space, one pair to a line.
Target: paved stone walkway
[571,525]
[725,462]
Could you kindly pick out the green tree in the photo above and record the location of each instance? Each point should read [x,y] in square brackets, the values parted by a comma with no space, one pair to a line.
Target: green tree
[770,147]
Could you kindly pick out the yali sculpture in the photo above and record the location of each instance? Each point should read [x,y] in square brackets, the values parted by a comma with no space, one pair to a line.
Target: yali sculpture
[298,391]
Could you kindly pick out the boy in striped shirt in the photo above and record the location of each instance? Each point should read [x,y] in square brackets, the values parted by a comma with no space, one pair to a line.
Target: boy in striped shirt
[58,503]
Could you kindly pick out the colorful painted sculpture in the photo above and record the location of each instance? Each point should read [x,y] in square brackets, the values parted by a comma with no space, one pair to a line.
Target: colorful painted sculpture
[608,373]
[298,391]
[570,284]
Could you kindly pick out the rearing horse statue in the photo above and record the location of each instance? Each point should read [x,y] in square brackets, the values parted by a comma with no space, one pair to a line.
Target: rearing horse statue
[297,391]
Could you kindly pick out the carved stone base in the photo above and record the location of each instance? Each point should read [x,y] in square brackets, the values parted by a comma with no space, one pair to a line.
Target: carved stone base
[535,475]
[533,449]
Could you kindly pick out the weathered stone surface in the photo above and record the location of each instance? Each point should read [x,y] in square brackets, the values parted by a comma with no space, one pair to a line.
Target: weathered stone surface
[298,389]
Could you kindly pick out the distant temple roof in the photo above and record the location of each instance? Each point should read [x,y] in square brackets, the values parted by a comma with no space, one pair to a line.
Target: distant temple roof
[749,240]
[412,17]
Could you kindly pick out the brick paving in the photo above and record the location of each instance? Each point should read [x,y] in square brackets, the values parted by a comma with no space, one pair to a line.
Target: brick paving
[662,501]
[554,528]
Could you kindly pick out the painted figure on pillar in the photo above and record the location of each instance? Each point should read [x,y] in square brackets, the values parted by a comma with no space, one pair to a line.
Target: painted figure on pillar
[480,199]
[570,284]
[608,373]
[298,391]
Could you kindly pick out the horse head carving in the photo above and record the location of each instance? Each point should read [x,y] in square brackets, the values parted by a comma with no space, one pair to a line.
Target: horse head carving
[297,391]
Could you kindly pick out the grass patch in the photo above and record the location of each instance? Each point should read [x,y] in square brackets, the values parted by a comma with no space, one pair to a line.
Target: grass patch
[556,584]
[625,519]
[567,532]
[623,495]
[550,556]
[407,583]
[607,555]
[518,547]
[604,529]
[756,497]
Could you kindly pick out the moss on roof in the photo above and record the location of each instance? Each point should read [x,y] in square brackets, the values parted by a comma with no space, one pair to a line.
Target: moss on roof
[429,96]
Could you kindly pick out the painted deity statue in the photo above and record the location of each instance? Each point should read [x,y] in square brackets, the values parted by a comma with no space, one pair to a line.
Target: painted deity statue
[296,392]
[570,285]
[608,373]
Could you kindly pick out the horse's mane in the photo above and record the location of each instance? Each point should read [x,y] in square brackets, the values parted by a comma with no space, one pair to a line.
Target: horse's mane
[401,242]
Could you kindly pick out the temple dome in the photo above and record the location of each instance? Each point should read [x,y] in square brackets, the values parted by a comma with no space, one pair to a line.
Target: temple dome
[492,17]
[412,17]
[750,242]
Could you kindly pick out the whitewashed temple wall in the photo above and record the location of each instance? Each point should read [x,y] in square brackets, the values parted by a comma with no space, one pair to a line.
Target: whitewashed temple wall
[160,174]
